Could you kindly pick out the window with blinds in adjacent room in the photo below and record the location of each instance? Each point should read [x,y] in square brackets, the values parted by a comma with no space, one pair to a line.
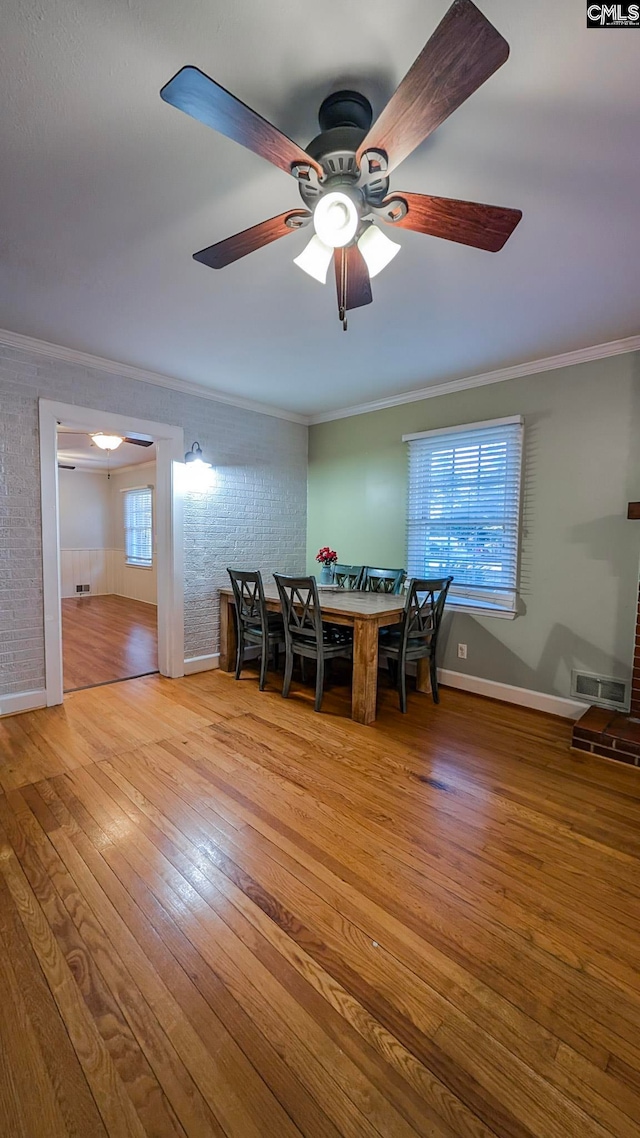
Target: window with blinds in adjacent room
[138,526]
[464,510]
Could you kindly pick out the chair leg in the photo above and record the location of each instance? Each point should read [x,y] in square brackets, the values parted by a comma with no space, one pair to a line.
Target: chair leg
[392,666]
[434,680]
[276,656]
[402,687]
[288,672]
[319,684]
[240,655]
[264,661]
[303,670]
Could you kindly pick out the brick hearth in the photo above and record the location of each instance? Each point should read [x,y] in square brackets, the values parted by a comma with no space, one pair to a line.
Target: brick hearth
[609,734]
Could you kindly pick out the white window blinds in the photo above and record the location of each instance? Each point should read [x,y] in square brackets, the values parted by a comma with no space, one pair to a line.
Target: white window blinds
[464,509]
[138,526]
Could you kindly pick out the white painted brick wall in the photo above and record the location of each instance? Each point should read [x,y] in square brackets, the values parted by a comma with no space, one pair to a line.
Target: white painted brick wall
[256,517]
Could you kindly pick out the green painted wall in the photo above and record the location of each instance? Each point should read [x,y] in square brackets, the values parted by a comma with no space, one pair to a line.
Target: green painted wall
[579,554]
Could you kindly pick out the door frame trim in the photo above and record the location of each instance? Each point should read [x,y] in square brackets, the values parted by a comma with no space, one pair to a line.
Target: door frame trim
[169,442]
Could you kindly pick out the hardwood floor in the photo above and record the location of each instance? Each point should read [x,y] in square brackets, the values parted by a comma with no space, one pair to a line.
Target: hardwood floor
[107,638]
[223,914]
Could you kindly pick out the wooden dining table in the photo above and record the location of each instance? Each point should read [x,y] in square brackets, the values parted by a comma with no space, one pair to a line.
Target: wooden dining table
[365,612]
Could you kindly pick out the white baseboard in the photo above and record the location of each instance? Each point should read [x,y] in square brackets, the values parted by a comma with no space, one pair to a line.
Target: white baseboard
[201,663]
[22,701]
[508,693]
[128,597]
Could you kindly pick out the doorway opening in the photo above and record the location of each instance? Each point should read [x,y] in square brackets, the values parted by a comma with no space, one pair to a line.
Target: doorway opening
[112,547]
[108,557]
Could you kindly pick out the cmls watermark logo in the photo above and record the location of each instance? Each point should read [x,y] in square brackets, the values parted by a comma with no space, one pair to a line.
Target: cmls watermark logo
[613,15]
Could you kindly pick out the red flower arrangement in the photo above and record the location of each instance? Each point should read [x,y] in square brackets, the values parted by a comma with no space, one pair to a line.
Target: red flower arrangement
[326,556]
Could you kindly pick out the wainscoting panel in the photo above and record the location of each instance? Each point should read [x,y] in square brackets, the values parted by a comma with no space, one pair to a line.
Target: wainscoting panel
[85,567]
[105,571]
[129,581]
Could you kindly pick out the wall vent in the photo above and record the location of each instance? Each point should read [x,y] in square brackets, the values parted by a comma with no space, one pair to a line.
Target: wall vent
[604,691]
[83,588]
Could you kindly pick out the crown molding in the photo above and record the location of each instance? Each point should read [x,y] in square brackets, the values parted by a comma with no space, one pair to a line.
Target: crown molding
[534,367]
[186,387]
[131,466]
[127,371]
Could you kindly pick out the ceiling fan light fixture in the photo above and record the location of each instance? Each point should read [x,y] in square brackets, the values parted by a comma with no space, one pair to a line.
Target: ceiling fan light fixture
[315,259]
[107,442]
[336,219]
[377,249]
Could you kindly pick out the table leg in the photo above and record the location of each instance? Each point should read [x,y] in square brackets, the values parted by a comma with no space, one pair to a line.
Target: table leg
[423,676]
[365,671]
[228,636]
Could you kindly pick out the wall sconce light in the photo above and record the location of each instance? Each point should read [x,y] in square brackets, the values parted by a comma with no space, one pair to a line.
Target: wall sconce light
[200,474]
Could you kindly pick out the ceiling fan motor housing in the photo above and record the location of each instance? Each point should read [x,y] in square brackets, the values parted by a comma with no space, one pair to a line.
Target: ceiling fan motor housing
[345,118]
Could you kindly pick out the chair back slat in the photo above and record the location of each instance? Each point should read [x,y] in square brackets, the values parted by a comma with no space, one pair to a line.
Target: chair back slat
[300,608]
[249,597]
[382,580]
[423,608]
[348,576]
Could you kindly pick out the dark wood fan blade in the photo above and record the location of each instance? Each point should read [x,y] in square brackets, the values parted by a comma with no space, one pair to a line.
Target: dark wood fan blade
[358,280]
[233,248]
[469,223]
[463,52]
[64,466]
[139,442]
[197,95]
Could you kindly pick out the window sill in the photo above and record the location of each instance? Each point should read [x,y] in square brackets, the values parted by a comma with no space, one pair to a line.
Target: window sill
[477,608]
[146,568]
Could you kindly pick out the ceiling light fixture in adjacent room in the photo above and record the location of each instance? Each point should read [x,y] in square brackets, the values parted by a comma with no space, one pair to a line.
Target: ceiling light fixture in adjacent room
[107,442]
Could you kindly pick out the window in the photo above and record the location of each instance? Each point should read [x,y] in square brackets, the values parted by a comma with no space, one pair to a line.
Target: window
[464,510]
[138,526]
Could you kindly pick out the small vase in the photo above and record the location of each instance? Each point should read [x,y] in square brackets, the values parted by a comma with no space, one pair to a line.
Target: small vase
[326,575]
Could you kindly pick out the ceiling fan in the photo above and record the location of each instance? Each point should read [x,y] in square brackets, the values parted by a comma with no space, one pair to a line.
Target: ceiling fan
[107,441]
[343,175]
[112,442]
[104,441]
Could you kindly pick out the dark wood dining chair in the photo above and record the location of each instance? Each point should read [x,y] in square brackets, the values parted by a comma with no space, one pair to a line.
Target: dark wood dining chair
[348,576]
[305,634]
[256,626]
[417,636]
[382,580]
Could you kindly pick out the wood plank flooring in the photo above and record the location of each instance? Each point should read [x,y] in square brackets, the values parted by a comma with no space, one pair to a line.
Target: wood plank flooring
[107,638]
[222,914]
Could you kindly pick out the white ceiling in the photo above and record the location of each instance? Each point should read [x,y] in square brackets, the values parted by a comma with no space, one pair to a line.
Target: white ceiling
[106,192]
[78,449]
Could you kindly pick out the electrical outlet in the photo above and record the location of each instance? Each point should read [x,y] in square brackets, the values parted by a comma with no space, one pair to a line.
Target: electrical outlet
[462,651]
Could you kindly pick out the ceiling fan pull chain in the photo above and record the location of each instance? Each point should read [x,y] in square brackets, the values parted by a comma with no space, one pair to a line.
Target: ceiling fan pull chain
[342,299]
[345,263]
